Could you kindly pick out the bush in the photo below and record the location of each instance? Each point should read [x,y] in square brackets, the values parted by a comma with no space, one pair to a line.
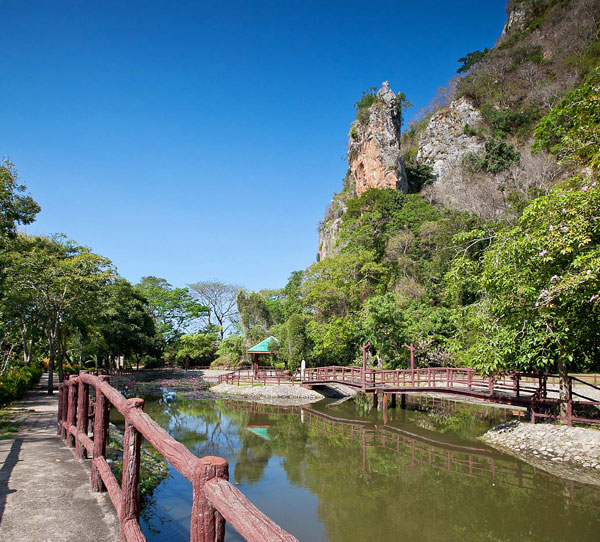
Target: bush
[499,155]
[17,381]
[369,97]
[418,177]
[151,362]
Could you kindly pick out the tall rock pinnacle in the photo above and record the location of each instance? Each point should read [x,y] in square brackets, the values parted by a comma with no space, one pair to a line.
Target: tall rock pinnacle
[374,145]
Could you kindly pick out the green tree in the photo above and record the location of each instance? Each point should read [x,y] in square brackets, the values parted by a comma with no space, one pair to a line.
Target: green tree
[55,283]
[384,327]
[571,130]
[196,349]
[125,322]
[539,306]
[174,310]
[16,207]
[471,59]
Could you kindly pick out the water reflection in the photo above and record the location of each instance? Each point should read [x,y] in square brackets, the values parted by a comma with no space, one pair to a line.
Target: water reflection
[342,474]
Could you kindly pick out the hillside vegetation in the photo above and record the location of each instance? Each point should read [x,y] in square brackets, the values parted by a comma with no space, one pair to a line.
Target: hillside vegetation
[516,288]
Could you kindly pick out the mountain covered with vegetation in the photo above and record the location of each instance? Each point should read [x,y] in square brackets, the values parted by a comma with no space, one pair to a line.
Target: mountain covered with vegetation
[475,233]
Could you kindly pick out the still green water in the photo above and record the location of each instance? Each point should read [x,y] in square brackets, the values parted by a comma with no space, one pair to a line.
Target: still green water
[342,473]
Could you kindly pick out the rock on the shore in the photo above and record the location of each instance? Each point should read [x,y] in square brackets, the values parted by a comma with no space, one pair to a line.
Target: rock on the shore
[554,444]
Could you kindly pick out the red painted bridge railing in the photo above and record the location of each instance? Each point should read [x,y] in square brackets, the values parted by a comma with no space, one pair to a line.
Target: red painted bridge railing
[262,376]
[215,500]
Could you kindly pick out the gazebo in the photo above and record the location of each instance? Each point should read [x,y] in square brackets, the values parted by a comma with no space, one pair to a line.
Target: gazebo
[263,348]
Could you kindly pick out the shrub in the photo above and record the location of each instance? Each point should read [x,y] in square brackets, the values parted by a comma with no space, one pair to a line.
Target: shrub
[151,362]
[15,382]
[419,177]
[469,131]
[369,97]
[500,155]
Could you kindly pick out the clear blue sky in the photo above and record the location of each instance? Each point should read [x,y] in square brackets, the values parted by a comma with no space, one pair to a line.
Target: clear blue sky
[197,140]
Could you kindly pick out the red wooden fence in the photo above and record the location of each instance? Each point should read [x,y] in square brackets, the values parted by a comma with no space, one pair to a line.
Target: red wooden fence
[215,500]
[262,377]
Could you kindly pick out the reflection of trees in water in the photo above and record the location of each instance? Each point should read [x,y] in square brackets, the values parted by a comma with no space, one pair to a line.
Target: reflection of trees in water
[370,492]
[200,425]
[252,459]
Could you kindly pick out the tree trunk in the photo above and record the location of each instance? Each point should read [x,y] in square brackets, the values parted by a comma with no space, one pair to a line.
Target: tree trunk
[51,368]
[563,378]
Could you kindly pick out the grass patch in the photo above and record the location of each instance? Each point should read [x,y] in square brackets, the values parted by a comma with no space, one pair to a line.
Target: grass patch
[8,425]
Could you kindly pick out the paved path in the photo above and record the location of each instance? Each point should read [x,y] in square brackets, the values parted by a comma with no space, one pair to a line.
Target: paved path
[44,492]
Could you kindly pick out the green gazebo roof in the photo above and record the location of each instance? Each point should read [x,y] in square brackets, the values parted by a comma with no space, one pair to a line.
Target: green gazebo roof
[264,346]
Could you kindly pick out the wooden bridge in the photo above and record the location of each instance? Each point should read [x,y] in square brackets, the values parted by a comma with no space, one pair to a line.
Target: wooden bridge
[529,390]
[215,500]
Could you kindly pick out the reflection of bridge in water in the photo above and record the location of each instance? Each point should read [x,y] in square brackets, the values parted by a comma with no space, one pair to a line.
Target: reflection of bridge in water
[466,461]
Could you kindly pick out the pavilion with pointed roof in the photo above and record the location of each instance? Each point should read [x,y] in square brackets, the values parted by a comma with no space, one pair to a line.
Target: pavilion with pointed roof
[263,348]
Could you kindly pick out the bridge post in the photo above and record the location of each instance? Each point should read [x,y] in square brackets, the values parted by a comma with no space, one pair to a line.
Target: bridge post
[376,400]
[570,404]
[130,481]
[82,416]
[72,411]
[207,524]
[393,405]
[364,364]
[411,347]
[101,412]
[403,401]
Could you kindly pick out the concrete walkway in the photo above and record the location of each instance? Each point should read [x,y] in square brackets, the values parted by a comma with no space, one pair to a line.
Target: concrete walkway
[44,492]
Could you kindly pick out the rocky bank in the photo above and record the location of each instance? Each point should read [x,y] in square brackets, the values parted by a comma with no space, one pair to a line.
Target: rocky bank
[569,452]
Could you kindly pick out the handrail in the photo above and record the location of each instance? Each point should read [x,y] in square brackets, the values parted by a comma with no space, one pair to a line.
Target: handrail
[215,500]
[247,376]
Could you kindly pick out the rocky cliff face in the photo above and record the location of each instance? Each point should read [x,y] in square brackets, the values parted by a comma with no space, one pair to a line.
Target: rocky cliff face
[449,136]
[374,146]
[374,160]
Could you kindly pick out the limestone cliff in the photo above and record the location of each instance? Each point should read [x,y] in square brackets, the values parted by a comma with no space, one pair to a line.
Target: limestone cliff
[448,136]
[374,160]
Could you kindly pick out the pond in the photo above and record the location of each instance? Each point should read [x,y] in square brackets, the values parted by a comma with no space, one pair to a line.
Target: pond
[340,472]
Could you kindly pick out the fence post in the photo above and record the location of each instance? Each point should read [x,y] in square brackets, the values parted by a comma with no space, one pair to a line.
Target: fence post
[130,482]
[59,417]
[72,411]
[570,404]
[207,523]
[101,413]
[470,378]
[65,408]
[82,416]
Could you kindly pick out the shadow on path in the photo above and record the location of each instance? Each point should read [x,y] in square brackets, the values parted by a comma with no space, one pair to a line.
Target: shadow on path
[7,467]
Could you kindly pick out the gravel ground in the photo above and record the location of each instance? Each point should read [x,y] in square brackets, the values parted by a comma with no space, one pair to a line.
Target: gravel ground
[558,446]
[292,394]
